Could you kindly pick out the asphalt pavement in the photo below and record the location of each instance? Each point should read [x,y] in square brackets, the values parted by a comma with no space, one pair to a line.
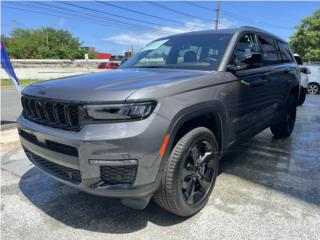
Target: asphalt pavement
[267,189]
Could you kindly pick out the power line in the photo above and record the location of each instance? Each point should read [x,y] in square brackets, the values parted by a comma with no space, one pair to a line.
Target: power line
[147,14]
[237,16]
[95,18]
[86,15]
[197,5]
[178,12]
[217,14]
[246,19]
[60,15]
[116,15]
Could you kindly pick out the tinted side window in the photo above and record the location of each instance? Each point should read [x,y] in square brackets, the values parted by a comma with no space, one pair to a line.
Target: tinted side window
[298,60]
[285,53]
[248,44]
[269,49]
[189,53]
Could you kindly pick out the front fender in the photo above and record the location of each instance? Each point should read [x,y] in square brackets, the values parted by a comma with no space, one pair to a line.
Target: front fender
[192,112]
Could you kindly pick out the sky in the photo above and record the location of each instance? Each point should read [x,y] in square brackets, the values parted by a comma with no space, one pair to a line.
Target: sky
[124,25]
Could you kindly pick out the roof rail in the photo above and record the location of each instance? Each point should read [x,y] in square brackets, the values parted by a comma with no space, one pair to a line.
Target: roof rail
[250,27]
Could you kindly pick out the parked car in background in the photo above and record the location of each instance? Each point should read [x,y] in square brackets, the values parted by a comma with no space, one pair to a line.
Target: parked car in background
[304,79]
[117,58]
[314,79]
[108,65]
[159,126]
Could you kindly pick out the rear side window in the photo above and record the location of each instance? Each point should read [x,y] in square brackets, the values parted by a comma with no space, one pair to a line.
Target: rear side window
[286,55]
[298,60]
[269,49]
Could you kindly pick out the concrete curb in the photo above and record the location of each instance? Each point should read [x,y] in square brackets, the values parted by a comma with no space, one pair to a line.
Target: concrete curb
[8,126]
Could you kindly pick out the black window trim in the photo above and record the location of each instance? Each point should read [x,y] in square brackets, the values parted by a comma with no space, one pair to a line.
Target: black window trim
[234,47]
[257,34]
[237,42]
[293,60]
[275,42]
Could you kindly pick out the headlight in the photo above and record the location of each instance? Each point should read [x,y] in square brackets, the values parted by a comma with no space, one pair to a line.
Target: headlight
[130,111]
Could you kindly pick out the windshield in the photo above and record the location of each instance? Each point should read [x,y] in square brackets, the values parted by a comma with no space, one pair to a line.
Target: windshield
[200,52]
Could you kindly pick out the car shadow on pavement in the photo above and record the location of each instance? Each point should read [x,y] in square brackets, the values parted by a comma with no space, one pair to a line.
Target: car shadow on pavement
[81,210]
[290,166]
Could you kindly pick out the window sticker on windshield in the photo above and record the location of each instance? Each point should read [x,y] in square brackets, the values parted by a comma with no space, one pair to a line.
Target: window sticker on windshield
[154,45]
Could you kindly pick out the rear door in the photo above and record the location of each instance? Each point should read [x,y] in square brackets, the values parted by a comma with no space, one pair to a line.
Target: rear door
[274,71]
[289,70]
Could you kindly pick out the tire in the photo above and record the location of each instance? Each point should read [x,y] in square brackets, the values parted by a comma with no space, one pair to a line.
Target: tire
[186,184]
[302,97]
[313,88]
[284,127]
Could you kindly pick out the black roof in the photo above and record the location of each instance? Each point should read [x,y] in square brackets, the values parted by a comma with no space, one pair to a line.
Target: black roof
[230,31]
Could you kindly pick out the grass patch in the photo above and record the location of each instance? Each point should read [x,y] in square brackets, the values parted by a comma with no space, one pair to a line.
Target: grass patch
[8,83]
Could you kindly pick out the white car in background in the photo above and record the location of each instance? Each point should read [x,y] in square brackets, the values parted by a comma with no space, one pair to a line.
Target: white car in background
[304,83]
[314,79]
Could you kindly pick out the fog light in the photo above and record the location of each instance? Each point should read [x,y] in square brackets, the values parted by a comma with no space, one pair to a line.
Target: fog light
[103,162]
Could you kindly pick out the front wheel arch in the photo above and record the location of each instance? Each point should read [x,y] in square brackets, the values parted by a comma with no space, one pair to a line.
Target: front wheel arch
[213,109]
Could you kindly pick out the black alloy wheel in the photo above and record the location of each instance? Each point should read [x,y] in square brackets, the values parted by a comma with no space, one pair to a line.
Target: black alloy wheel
[198,172]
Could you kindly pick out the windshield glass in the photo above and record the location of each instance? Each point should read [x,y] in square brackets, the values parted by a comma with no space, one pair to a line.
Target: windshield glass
[200,52]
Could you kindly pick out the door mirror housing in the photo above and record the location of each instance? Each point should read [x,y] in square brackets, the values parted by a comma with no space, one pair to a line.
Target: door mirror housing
[305,70]
[246,60]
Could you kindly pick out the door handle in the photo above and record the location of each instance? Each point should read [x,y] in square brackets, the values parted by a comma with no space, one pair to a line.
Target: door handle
[248,84]
[256,83]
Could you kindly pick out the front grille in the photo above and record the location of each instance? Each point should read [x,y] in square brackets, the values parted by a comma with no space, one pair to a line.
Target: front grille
[65,173]
[55,114]
[54,146]
[118,174]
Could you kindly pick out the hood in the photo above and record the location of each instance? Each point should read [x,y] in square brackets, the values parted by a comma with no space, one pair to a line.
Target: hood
[116,85]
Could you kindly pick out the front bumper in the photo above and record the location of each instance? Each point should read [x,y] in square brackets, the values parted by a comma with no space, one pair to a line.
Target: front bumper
[96,147]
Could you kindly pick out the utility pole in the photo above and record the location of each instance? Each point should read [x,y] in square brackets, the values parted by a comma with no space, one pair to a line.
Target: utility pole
[14,24]
[217,14]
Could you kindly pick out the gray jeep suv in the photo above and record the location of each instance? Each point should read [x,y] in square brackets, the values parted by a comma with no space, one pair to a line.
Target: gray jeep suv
[158,126]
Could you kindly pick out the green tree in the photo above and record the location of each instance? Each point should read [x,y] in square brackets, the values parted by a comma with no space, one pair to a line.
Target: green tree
[306,40]
[92,55]
[43,43]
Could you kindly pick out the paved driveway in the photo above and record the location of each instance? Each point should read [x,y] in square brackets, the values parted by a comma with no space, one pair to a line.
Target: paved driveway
[267,189]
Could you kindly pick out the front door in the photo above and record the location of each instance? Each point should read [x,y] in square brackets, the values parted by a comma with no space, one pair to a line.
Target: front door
[249,101]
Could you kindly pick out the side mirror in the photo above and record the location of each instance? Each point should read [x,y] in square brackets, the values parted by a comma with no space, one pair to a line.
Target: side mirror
[244,60]
[305,70]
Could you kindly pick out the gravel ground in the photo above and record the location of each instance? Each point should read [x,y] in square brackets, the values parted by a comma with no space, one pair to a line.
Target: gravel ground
[267,189]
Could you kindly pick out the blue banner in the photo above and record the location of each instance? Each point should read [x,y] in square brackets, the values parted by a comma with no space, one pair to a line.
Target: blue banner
[7,66]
